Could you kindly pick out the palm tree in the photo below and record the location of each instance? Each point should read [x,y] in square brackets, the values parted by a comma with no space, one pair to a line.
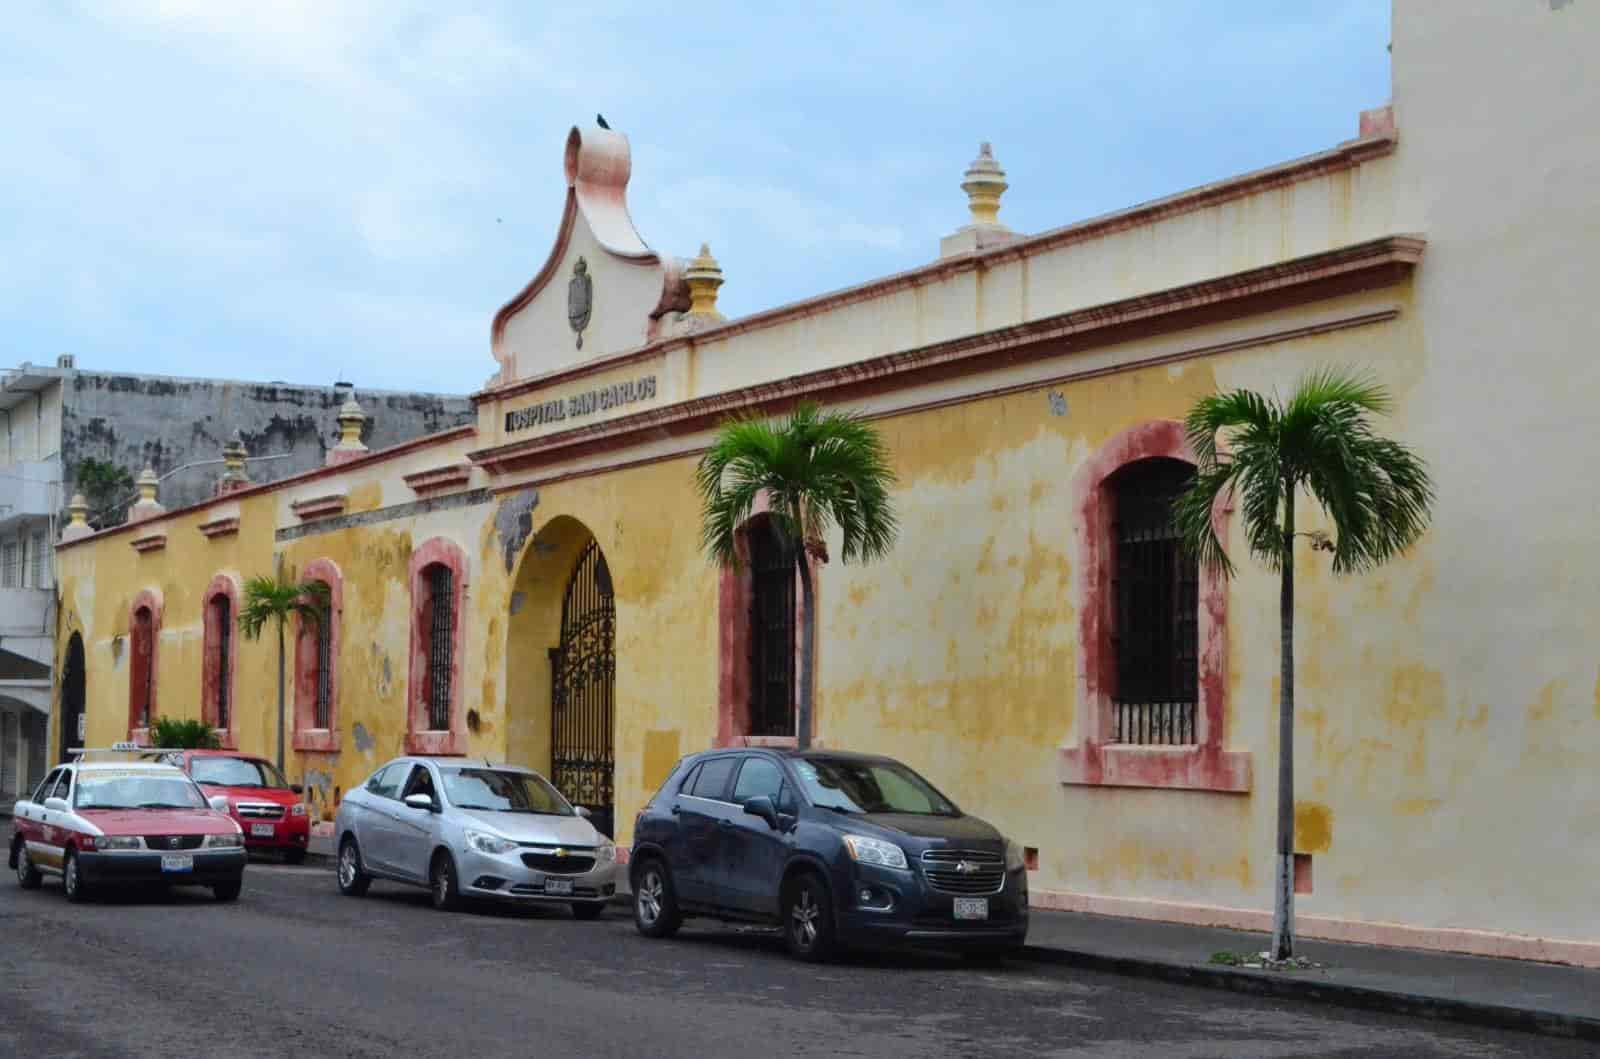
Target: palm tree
[1375,492]
[817,470]
[276,599]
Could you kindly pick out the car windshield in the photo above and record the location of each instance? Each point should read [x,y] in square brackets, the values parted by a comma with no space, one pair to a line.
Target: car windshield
[855,786]
[131,790]
[236,772]
[503,792]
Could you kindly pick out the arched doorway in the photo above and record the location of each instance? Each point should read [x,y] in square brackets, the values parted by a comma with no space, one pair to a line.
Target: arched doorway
[583,679]
[72,696]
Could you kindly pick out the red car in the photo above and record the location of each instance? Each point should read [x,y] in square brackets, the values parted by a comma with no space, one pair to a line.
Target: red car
[268,808]
[101,823]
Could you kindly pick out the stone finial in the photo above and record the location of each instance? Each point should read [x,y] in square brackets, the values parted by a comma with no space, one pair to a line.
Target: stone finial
[704,276]
[147,506]
[234,475]
[984,183]
[78,522]
[351,420]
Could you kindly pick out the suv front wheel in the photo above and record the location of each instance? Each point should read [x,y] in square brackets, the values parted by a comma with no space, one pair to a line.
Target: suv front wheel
[655,905]
[808,918]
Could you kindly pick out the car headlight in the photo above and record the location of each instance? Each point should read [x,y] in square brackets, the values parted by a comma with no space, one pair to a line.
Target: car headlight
[484,842]
[119,842]
[875,851]
[223,841]
[299,809]
[1015,860]
[605,852]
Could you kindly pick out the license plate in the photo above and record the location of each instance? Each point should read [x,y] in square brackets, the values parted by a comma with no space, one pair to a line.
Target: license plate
[558,886]
[261,830]
[972,908]
[177,862]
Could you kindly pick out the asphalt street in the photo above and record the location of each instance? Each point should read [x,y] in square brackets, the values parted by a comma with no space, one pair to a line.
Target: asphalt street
[294,969]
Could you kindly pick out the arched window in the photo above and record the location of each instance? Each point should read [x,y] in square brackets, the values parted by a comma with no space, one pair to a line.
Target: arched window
[316,665]
[1157,608]
[438,588]
[1152,626]
[144,641]
[221,645]
[760,614]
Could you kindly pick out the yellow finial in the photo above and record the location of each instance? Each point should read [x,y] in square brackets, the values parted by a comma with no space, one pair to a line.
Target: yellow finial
[704,276]
[78,522]
[234,455]
[985,183]
[147,506]
[351,421]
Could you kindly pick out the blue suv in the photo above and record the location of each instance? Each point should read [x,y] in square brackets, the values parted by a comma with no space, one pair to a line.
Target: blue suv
[839,849]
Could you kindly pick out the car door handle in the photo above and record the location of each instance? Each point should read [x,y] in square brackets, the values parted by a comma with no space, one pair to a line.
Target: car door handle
[724,823]
[675,809]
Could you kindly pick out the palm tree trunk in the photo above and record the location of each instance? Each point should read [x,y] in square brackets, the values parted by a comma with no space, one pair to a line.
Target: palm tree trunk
[808,647]
[1283,899]
[280,694]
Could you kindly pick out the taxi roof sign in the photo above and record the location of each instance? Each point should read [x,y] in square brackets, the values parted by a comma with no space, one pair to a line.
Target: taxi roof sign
[79,753]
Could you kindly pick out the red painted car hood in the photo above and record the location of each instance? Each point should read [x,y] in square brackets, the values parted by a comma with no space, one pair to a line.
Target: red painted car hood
[251,794]
[159,821]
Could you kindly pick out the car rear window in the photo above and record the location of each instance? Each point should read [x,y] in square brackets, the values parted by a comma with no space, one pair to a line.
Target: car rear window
[713,779]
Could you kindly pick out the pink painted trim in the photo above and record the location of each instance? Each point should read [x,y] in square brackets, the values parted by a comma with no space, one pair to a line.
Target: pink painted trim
[220,527]
[306,736]
[419,738]
[1501,944]
[147,598]
[153,542]
[337,457]
[1096,760]
[366,459]
[1334,272]
[1343,157]
[319,506]
[226,586]
[437,479]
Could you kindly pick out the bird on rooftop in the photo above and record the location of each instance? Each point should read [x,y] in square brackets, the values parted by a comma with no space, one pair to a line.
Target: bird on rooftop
[602,120]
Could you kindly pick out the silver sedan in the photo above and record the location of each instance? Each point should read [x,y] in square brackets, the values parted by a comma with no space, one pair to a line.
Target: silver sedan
[473,830]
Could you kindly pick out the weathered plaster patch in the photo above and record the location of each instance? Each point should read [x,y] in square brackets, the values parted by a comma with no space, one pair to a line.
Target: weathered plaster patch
[518,600]
[1313,827]
[513,524]
[1415,806]
[661,752]
[363,738]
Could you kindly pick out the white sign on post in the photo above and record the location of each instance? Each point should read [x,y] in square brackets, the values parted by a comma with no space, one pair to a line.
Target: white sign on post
[81,719]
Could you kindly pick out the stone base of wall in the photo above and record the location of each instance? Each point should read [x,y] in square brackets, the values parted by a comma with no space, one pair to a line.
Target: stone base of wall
[1328,928]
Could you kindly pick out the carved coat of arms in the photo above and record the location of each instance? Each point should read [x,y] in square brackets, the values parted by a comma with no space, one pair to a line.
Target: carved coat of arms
[580,298]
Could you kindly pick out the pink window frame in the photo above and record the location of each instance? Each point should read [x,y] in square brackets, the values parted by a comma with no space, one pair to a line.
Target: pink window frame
[147,598]
[734,594]
[1096,760]
[419,738]
[226,586]
[307,736]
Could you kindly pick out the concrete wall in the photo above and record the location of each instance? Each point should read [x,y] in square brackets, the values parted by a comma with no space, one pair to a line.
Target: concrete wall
[138,420]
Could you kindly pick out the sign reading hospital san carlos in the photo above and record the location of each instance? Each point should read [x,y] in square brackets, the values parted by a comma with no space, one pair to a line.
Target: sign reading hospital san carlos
[578,405]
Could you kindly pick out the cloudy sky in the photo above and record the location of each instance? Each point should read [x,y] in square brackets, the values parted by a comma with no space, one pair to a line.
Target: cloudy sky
[308,190]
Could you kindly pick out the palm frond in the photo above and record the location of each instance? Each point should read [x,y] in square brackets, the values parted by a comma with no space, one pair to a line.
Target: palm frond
[269,600]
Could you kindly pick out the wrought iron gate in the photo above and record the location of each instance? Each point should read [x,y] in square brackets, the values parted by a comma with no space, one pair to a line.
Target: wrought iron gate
[583,671]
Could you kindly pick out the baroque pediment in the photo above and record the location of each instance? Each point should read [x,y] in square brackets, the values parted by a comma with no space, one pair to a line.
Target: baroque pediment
[602,290]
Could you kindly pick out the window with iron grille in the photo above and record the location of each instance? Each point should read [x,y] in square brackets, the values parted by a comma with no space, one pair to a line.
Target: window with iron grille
[10,565]
[1157,601]
[222,615]
[322,706]
[441,628]
[40,557]
[772,563]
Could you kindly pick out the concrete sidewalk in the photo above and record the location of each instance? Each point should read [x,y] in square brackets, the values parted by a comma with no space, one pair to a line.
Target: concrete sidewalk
[1511,994]
[1543,998]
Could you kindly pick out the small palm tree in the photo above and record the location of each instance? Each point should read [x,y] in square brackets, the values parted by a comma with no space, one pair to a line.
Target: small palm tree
[276,599]
[817,470]
[186,734]
[1375,491]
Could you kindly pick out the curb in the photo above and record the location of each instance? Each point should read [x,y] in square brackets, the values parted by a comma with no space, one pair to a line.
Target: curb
[1280,984]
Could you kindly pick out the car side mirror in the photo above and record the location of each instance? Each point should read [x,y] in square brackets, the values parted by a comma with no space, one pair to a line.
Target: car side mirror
[57,805]
[761,805]
[420,801]
[298,788]
[219,803]
[581,811]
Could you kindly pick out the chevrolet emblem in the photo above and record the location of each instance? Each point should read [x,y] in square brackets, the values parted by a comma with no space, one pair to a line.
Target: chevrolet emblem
[965,867]
[173,841]
[560,853]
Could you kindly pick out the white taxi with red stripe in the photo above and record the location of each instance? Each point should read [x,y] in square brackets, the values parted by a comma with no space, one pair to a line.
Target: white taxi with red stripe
[98,823]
